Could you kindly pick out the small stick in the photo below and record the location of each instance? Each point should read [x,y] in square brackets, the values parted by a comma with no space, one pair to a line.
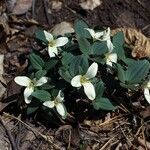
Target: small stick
[46,138]
[46,13]
[14,147]
[107,143]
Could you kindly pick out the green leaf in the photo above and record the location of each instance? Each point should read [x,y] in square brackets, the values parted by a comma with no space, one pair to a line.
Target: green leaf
[39,34]
[42,95]
[99,89]
[121,73]
[67,58]
[79,27]
[40,74]
[77,62]
[31,110]
[103,103]
[118,42]
[137,71]
[84,46]
[50,64]
[47,86]
[65,74]
[99,48]
[36,61]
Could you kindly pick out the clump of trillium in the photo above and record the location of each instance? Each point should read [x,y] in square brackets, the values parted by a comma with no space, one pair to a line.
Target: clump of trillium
[58,103]
[105,36]
[84,80]
[30,85]
[146,91]
[53,44]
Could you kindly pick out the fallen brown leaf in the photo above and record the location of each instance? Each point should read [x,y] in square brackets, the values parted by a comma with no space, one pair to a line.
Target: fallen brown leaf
[138,42]
[62,28]
[57,5]
[22,6]
[90,4]
[2,88]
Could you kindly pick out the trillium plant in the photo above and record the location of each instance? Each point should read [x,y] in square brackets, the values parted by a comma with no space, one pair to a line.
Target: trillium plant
[90,66]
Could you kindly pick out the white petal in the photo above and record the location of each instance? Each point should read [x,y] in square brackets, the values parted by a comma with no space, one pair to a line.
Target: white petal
[148,84]
[41,81]
[92,71]
[108,32]
[112,57]
[60,109]
[49,104]
[98,35]
[52,51]
[59,97]
[48,36]
[61,41]
[27,93]
[106,35]
[89,90]
[92,32]
[147,94]
[22,80]
[76,81]
[110,45]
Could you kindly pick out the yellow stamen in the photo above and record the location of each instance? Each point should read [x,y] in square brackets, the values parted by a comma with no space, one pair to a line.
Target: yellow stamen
[83,79]
[52,43]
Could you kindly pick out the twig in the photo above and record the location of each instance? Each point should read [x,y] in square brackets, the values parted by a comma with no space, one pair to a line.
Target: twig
[145,145]
[69,140]
[46,138]
[33,8]
[46,12]
[112,120]
[14,147]
[142,143]
[129,142]
[107,143]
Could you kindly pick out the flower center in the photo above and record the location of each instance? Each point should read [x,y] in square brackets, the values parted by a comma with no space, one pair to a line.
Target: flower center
[32,84]
[83,79]
[107,56]
[56,101]
[52,43]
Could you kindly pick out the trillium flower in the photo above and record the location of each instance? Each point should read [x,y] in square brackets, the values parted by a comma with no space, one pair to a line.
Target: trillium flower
[30,85]
[146,91]
[102,36]
[58,103]
[111,58]
[95,35]
[53,44]
[84,80]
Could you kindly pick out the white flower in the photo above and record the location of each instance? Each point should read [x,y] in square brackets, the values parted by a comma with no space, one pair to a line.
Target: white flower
[111,58]
[84,80]
[53,44]
[58,103]
[95,35]
[102,36]
[29,84]
[146,91]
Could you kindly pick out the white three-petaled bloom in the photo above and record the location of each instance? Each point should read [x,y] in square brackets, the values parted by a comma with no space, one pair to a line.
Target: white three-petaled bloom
[58,103]
[105,36]
[53,44]
[146,91]
[84,80]
[102,36]
[30,84]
